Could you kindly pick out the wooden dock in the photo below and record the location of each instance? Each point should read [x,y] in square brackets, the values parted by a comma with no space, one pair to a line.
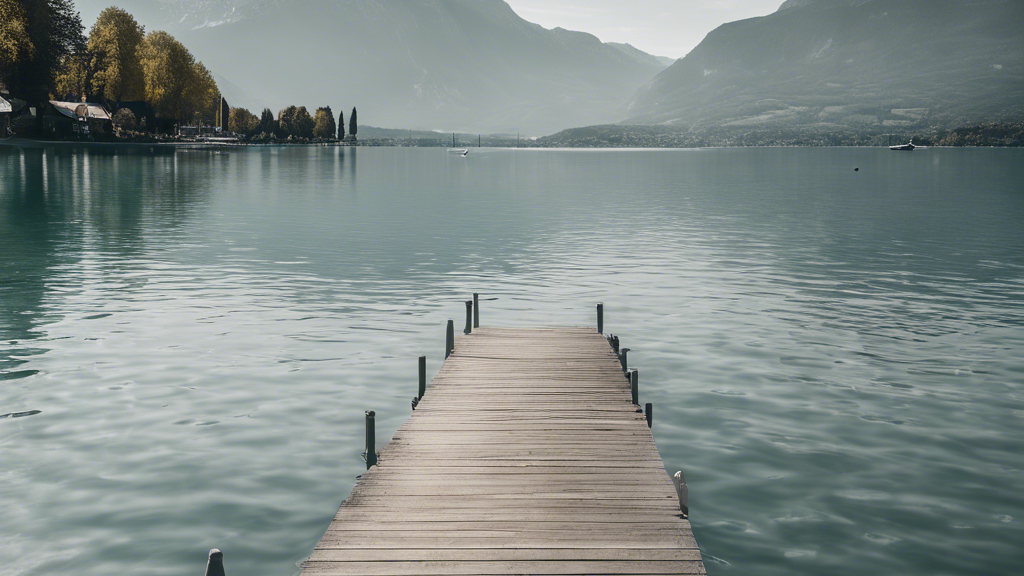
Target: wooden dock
[525,456]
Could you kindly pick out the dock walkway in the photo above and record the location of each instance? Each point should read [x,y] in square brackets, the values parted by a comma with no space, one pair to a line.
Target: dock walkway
[525,456]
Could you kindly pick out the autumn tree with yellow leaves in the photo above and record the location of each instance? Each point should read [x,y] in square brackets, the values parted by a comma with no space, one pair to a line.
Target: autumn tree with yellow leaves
[176,85]
[15,44]
[114,43]
[323,123]
[241,121]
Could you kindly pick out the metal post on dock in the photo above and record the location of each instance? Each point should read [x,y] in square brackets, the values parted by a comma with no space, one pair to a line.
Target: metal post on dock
[215,563]
[622,359]
[423,377]
[371,440]
[649,411]
[615,344]
[469,317]
[634,385]
[476,310]
[600,317]
[449,341]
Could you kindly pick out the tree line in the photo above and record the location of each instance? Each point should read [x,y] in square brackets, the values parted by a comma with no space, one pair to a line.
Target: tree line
[293,122]
[45,54]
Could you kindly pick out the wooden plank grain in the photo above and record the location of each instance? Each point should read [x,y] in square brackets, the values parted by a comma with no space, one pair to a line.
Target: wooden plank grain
[524,457]
[497,567]
[503,554]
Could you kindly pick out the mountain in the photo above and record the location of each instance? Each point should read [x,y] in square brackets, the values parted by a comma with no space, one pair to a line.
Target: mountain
[466,65]
[641,56]
[876,64]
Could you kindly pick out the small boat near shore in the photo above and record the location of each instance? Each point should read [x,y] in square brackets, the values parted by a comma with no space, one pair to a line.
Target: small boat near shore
[908,147]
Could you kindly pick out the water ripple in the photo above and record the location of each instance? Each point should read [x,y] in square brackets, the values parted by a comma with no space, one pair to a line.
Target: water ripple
[836,363]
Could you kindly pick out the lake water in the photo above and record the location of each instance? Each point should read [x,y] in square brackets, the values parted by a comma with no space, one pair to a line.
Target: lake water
[188,340]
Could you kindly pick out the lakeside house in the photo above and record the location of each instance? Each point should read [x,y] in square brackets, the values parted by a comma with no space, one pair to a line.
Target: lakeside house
[75,120]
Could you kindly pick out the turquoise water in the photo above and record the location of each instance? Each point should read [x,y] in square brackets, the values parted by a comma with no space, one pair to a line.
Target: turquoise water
[188,340]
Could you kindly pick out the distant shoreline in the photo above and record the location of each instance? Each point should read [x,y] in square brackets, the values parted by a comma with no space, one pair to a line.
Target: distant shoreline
[32,144]
[27,144]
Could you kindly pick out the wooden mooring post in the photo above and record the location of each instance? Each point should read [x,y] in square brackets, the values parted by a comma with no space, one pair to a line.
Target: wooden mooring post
[423,377]
[529,456]
[634,386]
[449,343]
[215,563]
[371,439]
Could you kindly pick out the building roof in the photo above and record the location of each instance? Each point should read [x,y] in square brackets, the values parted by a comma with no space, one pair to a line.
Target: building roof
[5,106]
[81,109]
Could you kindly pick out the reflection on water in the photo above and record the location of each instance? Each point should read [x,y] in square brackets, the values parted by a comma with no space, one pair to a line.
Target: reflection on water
[835,356]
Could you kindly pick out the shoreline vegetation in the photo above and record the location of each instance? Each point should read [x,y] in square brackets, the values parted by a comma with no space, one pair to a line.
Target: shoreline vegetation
[119,84]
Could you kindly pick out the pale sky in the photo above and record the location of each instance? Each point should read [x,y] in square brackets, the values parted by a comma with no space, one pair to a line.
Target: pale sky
[660,27]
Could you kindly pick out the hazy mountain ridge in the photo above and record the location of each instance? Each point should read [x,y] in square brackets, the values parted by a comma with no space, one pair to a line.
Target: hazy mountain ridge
[849,63]
[641,56]
[788,4]
[468,65]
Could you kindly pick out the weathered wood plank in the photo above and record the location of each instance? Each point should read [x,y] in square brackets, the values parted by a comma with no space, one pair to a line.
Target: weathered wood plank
[525,456]
[579,529]
[498,540]
[502,554]
[505,567]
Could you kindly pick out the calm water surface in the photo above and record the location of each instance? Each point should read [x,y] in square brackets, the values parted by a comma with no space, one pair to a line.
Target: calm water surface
[188,340]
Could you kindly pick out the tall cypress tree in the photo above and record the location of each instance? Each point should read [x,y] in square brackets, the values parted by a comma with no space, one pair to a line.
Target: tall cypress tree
[352,126]
[341,125]
[332,128]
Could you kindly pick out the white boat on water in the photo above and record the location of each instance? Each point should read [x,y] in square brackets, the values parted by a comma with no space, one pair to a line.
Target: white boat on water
[908,147]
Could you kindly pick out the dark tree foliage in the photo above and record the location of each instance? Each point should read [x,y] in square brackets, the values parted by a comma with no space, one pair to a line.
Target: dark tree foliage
[303,124]
[267,123]
[341,125]
[323,123]
[285,122]
[225,113]
[353,126]
[295,121]
[56,32]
